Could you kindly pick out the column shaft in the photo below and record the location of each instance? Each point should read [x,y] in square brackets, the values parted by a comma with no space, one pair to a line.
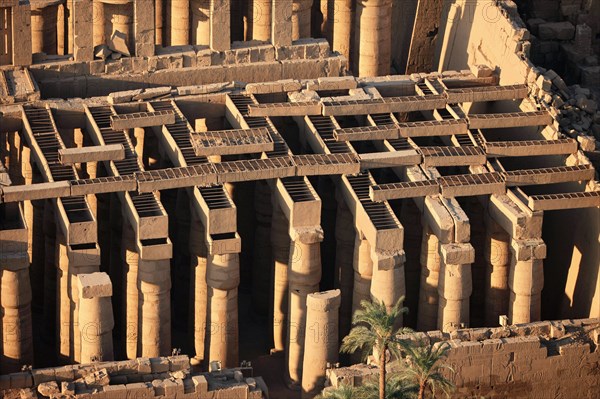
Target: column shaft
[154,312]
[263,262]
[373,41]
[260,22]
[388,282]
[130,295]
[321,340]
[43,29]
[199,290]
[301,16]
[363,272]
[428,294]
[304,277]
[98,23]
[95,317]
[200,22]
[454,289]
[526,280]
[343,28]
[280,243]
[497,255]
[15,318]
[223,278]
[180,22]
[344,257]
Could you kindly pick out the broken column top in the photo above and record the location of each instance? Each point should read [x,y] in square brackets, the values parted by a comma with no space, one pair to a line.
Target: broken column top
[324,301]
[94,285]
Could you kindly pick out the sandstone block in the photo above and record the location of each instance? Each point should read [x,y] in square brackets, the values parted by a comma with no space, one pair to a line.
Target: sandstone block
[556,30]
[94,285]
[159,364]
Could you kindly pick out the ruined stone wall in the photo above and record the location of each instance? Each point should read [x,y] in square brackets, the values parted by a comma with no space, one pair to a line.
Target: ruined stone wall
[161,377]
[575,257]
[558,359]
[309,58]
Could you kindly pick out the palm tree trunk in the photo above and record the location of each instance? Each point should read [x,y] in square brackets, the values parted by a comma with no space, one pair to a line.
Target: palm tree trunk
[421,391]
[382,373]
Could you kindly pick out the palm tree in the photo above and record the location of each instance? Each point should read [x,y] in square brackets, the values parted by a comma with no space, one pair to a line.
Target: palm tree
[396,387]
[423,365]
[341,392]
[375,329]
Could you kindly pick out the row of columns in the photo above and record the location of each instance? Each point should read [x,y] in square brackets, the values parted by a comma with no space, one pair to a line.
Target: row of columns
[513,282]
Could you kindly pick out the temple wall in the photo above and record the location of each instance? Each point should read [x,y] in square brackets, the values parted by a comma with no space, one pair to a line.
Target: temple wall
[556,359]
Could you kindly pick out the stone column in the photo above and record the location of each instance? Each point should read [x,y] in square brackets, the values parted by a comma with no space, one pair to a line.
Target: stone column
[118,17]
[154,312]
[49,273]
[200,22]
[387,283]
[220,33]
[304,276]
[21,37]
[497,256]
[374,37]
[63,302]
[263,262]
[98,23]
[363,272]
[344,257]
[301,16]
[44,27]
[15,310]
[280,242]
[281,22]
[180,22]
[260,22]
[455,285]
[321,340]
[130,294]
[61,29]
[95,317]
[342,28]
[159,18]
[430,268]
[526,280]
[223,279]
[410,218]
[83,45]
[198,255]
[144,29]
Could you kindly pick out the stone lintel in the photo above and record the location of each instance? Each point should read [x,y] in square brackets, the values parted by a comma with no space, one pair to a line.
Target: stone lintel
[94,285]
[439,219]
[112,152]
[525,250]
[462,226]
[513,219]
[457,253]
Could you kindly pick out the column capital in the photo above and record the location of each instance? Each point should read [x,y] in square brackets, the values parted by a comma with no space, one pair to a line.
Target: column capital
[307,235]
[388,260]
[324,301]
[457,253]
[524,250]
[94,285]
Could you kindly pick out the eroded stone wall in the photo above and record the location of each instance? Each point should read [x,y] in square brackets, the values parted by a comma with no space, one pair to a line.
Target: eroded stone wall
[558,359]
